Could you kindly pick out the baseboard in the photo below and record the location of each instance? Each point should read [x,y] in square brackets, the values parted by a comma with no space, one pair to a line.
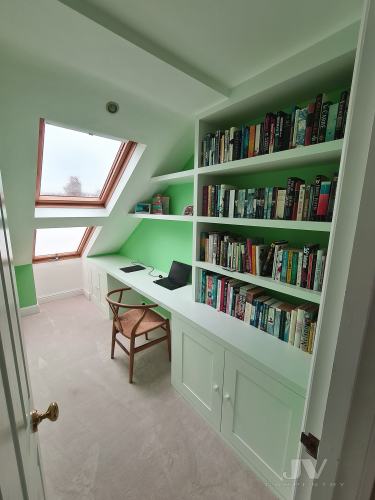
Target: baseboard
[60,295]
[27,311]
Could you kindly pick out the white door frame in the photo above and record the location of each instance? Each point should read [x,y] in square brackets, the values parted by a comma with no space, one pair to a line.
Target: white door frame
[346,301]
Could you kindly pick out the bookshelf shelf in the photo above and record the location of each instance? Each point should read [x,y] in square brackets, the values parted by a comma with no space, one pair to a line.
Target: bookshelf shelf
[269,283]
[271,223]
[181,218]
[175,178]
[326,152]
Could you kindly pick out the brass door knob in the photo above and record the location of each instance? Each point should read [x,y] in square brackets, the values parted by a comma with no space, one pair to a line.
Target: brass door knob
[52,414]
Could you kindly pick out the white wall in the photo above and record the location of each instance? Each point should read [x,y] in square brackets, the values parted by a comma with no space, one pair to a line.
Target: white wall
[58,279]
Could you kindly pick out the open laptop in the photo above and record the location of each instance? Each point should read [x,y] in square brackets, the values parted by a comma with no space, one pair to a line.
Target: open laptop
[178,276]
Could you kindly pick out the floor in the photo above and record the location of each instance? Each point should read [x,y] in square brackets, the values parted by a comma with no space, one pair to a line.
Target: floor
[118,441]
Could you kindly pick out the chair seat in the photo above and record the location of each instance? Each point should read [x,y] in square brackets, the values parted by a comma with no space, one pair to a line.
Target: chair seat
[150,322]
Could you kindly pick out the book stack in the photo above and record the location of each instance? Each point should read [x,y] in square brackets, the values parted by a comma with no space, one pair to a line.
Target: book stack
[297,201]
[319,121]
[300,267]
[252,305]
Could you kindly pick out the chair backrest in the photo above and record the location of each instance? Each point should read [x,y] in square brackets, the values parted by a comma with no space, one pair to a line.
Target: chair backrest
[116,305]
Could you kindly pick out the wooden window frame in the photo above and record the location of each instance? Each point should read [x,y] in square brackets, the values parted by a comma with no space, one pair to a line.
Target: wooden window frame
[64,255]
[118,167]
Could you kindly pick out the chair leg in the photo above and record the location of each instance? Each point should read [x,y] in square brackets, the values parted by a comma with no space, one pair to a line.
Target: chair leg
[131,359]
[146,335]
[168,332]
[114,332]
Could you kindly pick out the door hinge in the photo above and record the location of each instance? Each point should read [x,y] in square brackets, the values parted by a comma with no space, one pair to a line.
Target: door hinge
[311,444]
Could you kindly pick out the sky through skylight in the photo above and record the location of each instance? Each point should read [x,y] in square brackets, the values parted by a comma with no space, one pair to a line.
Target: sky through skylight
[51,241]
[75,163]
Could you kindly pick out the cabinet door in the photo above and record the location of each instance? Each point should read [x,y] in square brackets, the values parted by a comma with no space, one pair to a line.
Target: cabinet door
[262,419]
[103,285]
[197,369]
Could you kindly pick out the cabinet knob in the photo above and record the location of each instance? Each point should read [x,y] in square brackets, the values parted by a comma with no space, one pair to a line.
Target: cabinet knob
[215,387]
[226,397]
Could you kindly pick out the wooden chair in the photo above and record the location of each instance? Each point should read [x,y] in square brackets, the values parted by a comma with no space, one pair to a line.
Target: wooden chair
[136,321]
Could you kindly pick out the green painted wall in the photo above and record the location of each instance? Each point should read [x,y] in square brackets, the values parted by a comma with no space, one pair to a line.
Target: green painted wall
[156,243]
[25,285]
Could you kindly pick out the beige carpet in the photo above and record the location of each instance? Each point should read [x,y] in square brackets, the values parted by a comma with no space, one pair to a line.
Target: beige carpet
[117,441]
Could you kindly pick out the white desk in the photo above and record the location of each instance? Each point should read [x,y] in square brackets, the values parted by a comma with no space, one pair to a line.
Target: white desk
[288,364]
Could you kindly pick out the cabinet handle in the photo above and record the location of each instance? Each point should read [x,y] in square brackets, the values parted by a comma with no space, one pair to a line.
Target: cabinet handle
[227,397]
[215,387]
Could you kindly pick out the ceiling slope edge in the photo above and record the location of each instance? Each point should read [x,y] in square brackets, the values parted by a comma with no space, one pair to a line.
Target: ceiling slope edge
[108,22]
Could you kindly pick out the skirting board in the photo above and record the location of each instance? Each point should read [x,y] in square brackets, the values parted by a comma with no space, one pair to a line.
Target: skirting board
[26,311]
[60,295]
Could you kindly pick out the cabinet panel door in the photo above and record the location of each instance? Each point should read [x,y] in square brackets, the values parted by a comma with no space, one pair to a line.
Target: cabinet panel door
[197,370]
[95,283]
[262,419]
[103,289]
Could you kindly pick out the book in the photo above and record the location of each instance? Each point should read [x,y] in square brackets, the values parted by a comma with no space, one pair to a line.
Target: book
[251,148]
[301,127]
[292,327]
[341,115]
[301,199]
[257,139]
[316,122]
[331,122]
[300,320]
[323,200]
[323,121]
[332,196]
[232,131]
[309,123]
[280,203]
[319,270]
[308,249]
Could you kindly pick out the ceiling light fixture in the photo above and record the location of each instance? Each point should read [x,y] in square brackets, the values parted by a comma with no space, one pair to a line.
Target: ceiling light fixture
[112,107]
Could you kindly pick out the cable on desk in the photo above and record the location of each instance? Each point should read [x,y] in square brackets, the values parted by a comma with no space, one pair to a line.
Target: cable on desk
[149,267]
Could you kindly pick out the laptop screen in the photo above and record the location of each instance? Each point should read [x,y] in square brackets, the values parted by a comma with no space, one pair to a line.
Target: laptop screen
[179,272]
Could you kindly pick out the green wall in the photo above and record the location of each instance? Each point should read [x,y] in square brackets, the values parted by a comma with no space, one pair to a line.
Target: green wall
[156,243]
[25,285]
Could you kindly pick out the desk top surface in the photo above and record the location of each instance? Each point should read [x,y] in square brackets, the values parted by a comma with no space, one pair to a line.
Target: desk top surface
[288,364]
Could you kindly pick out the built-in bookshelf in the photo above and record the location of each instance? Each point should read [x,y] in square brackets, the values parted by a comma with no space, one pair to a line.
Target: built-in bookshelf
[274,168]
[268,169]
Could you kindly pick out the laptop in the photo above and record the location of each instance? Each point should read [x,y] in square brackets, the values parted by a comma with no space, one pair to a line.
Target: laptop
[178,276]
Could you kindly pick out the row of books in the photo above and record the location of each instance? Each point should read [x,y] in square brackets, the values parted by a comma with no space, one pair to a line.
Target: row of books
[300,267]
[298,201]
[319,121]
[251,304]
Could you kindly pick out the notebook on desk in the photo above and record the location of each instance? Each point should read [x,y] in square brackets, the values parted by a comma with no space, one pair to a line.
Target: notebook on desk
[178,276]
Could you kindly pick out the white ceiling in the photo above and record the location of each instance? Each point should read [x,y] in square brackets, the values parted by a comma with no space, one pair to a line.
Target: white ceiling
[222,42]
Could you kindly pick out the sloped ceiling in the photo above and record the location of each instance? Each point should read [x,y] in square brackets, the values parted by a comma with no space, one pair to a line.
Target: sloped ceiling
[163,61]
[222,42]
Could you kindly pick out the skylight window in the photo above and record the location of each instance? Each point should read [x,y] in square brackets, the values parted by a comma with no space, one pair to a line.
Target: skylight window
[78,168]
[60,243]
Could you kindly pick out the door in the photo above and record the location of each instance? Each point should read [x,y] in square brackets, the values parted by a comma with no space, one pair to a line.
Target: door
[20,471]
[197,369]
[346,297]
[261,419]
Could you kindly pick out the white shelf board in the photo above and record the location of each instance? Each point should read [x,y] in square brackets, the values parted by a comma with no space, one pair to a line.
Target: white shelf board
[273,223]
[183,218]
[326,152]
[269,283]
[175,178]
